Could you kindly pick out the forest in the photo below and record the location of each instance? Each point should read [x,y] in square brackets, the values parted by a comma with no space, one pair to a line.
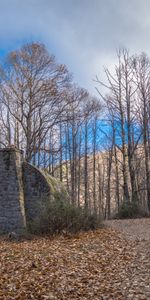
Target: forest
[98,146]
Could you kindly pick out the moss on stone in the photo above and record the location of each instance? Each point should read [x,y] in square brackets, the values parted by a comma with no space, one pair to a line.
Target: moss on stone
[57,188]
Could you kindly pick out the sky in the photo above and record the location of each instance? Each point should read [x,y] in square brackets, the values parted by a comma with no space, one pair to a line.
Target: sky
[83,34]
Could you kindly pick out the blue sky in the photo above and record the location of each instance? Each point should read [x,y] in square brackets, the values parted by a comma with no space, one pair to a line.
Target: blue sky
[83,34]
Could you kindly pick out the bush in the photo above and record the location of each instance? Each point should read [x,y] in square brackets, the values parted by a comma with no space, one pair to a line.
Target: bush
[58,215]
[130,210]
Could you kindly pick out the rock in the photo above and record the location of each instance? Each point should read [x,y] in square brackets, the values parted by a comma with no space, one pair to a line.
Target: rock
[13,236]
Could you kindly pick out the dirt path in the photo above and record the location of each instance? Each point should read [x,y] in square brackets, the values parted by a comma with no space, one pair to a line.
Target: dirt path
[138,232]
[136,229]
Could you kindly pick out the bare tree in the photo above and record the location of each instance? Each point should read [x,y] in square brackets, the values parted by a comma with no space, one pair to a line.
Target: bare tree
[32,91]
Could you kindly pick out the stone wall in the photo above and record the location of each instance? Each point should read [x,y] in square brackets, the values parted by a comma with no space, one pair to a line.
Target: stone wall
[12,212]
[36,190]
[23,190]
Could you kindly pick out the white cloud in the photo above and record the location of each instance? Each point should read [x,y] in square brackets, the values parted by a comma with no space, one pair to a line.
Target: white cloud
[84,34]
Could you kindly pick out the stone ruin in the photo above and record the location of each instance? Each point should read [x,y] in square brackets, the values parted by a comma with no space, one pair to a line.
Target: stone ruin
[22,188]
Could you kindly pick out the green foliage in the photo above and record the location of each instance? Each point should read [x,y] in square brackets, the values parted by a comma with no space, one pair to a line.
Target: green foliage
[130,210]
[59,215]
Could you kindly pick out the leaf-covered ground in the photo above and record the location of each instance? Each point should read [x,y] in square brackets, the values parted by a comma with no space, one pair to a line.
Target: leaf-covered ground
[94,265]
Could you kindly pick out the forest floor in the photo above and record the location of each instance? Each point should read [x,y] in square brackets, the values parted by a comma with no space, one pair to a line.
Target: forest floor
[138,232]
[110,263]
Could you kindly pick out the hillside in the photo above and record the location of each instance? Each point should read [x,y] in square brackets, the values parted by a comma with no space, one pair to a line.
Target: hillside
[103,179]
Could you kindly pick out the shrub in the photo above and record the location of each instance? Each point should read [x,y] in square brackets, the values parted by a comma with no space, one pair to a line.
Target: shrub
[130,210]
[58,215]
